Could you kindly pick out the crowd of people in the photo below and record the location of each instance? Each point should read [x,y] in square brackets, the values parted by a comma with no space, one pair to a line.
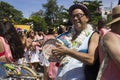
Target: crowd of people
[89,54]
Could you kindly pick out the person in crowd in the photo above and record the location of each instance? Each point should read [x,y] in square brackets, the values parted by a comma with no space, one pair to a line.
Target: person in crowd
[62,29]
[23,37]
[32,51]
[40,35]
[101,27]
[28,46]
[109,51]
[50,70]
[39,39]
[11,47]
[51,33]
[81,42]
[101,24]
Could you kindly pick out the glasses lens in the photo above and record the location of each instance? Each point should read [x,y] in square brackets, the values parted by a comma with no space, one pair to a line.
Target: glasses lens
[79,15]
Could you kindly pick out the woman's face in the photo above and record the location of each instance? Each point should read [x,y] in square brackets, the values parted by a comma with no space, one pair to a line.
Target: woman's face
[79,19]
[32,33]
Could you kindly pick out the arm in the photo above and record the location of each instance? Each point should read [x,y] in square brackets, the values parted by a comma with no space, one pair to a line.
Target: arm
[1,46]
[2,55]
[112,44]
[28,43]
[87,58]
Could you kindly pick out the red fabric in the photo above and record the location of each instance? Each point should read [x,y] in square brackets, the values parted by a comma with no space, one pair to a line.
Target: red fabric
[2,53]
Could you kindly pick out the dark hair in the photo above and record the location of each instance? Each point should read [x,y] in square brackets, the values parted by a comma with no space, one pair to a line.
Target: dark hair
[60,30]
[79,6]
[101,23]
[8,31]
[51,30]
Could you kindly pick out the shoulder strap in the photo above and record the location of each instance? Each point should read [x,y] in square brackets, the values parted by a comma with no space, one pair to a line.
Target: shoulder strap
[105,61]
[91,36]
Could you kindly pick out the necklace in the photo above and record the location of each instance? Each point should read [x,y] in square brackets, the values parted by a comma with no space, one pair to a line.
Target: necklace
[80,38]
[77,42]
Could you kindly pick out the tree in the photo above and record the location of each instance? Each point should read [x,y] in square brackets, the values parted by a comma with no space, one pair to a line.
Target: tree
[63,15]
[38,19]
[95,11]
[9,12]
[51,11]
[38,23]
[40,13]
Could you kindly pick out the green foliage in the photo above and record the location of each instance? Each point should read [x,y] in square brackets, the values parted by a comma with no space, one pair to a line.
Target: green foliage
[51,9]
[39,13]
[25,20]
[53,14]
[109,18]
[9,12]
[39,23]
[94,8]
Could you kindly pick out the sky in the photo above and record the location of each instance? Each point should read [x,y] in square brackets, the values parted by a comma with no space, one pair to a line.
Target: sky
[29,6]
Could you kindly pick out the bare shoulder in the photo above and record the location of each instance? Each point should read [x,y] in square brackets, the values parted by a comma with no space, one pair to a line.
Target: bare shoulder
[1,42]
[94,40]
[95,36]
[110,37]
[1,46]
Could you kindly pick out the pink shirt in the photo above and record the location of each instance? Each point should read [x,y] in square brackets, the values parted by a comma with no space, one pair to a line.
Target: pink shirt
[112,72]
[7,52]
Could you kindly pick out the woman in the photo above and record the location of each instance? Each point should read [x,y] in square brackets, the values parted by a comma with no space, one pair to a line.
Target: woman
[11,48]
